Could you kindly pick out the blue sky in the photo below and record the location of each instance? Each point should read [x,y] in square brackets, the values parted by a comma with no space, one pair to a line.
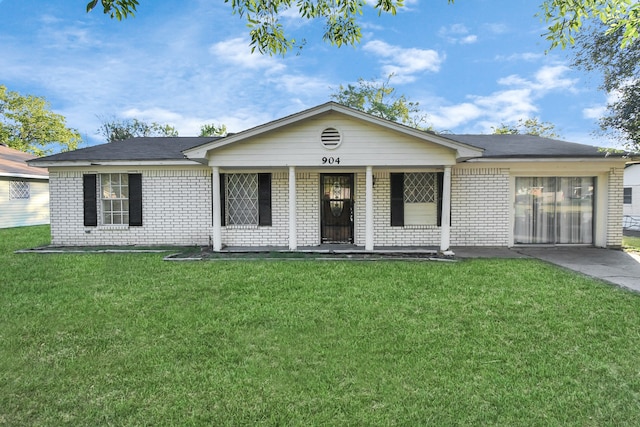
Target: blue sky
[471,65]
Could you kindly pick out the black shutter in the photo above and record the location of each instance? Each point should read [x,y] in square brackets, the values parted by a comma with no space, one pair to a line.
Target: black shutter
[264,199]
[397,199]
[90,201]
[135,199]
[223,195]
[440,176]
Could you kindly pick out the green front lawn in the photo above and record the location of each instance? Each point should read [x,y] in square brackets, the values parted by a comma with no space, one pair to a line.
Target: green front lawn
[116,339]
[630,243]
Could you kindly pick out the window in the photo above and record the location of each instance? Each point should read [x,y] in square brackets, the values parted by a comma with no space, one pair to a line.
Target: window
[115,198]
[416,198]
[246,198]
[118,199]
[627,195]
[19,190]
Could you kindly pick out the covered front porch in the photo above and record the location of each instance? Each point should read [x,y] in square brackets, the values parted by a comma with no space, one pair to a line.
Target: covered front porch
[337,209]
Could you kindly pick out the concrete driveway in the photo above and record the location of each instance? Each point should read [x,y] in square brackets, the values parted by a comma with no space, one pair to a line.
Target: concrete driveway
[613,266]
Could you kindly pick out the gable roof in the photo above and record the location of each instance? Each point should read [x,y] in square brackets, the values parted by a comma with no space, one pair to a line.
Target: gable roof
[194,150]
[13,163]
[464,150]
[146,149]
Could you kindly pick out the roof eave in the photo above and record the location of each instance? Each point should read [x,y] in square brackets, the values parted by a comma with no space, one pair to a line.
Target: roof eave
[129,162]
[505,159]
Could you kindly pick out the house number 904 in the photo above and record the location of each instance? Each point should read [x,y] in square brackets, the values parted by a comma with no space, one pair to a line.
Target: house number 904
[330,160]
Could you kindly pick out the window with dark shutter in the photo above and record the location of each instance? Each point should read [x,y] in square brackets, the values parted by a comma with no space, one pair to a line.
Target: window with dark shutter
[135,199]
[89,191]
[223,201]
[397,199]
[264,199]
[440,189]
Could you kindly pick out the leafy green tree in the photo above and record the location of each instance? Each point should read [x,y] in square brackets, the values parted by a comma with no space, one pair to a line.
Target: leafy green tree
[600,51]
[119,130]
[211,129]
[378,98]
[564,18]
[27,124]
[530,126]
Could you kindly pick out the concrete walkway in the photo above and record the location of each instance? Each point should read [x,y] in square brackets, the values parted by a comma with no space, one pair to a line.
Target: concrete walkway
[616,267]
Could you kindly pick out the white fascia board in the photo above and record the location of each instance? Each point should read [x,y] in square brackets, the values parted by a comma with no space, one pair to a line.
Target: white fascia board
[24,175]
[185,162]
[544,159]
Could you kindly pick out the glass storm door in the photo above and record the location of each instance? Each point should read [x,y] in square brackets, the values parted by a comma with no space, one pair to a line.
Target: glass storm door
[337,208]
[554,210]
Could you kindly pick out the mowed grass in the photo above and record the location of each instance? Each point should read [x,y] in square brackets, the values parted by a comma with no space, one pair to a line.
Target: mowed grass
[631,243]
[115,339]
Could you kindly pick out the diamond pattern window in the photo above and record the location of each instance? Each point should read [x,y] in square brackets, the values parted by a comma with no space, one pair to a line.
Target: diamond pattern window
[19,190]
[420,188]
[242,199]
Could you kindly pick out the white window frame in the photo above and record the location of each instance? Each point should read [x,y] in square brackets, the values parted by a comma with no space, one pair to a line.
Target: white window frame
[114,199]
[420,198]
[241,199]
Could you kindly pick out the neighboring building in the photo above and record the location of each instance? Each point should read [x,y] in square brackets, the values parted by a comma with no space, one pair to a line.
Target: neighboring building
[332,174]
[24,190]
[631,197]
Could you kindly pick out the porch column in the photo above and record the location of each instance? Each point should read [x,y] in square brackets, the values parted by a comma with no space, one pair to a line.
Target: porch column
[217,221]
[293,234]
[368,240]
[445,226]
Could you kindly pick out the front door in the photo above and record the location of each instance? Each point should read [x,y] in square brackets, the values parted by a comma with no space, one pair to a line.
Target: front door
[337,208]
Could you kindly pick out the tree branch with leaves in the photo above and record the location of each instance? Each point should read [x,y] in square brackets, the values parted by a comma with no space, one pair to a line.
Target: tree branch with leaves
[28,124]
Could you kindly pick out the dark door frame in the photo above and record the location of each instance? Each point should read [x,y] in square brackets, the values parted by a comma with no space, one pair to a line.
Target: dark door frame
[337,226]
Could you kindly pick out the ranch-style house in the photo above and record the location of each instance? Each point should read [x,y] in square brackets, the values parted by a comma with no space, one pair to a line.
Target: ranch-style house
[335,175]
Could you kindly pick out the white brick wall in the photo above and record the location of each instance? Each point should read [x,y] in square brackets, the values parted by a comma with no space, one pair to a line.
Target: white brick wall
[614,222]
[480,207]
[176,209]
[383,233]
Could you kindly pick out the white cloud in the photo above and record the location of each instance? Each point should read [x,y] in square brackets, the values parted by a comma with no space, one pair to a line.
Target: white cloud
[545,79]
[404,63]
[519,100]
[518,57]
[236,51]
[457,34]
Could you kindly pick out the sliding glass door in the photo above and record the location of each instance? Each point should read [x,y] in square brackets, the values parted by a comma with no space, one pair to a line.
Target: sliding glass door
[554,210]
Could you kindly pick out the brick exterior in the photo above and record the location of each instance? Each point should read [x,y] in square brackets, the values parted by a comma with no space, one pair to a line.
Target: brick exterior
[177,211]
[614,220]
[166,219]
[480,200]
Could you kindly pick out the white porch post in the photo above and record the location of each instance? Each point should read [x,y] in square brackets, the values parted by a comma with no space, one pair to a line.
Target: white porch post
[293,234]
[217,220]
[368,241]
[445,226]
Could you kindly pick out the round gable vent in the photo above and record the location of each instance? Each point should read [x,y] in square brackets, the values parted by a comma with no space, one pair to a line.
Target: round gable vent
[330,138]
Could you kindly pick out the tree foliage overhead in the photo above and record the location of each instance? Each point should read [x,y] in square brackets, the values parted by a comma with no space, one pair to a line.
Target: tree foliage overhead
[381,100]
[567,17]
[119,130]
[564,18]
[598,50]
[27,124]
[530,126]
